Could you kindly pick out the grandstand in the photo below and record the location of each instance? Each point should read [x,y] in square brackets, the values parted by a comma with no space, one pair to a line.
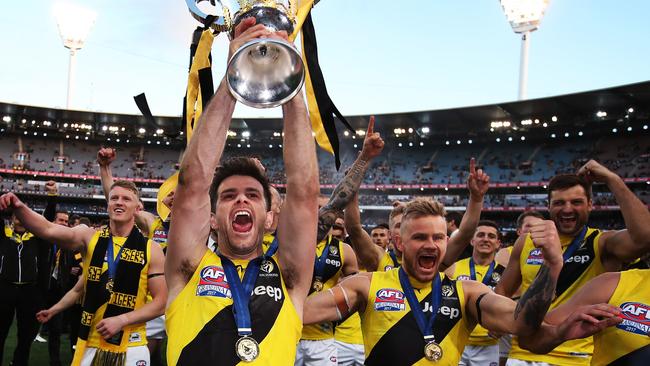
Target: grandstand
[519,144]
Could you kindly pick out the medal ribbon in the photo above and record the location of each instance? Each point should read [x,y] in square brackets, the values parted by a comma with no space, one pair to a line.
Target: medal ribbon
[241,291]
[574,244]
[273,247]
[110,260]
[425,325]
[394,258]
[319,264]
[472,271]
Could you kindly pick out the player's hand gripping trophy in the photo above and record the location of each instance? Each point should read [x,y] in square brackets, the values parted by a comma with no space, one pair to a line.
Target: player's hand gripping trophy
[262,73]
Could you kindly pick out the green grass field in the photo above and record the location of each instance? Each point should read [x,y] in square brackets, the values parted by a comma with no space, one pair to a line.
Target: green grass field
[38,355]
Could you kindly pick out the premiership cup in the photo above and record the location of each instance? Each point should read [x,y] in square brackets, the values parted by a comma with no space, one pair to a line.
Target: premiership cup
[262,73]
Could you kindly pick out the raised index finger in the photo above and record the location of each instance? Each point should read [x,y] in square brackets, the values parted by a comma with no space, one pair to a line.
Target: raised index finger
[371,126]
[472,166]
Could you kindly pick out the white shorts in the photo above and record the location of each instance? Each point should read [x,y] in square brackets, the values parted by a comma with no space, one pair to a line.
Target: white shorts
[505,344]
[135,356]
[350,354]
[316,353]
[515,362]
[156,328]
[480,356]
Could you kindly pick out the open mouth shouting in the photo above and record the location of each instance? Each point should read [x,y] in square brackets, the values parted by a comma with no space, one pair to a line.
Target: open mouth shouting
[568,221]
[242,221]
[427,260]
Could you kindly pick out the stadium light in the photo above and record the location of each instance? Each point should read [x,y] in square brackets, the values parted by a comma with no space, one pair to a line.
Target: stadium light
[74,24]
[524,17]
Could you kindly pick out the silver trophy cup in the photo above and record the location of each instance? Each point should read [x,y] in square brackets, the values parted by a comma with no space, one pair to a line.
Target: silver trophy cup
[263,73]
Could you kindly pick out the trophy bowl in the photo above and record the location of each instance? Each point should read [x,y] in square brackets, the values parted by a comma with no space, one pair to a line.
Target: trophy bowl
[265,72]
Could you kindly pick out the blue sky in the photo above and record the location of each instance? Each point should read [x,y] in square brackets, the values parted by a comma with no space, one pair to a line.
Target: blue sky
[377,56]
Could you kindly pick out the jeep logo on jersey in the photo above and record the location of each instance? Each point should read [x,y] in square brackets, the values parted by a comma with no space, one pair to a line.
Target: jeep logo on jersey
[333,262]
[582,259]
[388,299]
[636,318]
[212,282]
[535,257]
[274,292]
[451,313]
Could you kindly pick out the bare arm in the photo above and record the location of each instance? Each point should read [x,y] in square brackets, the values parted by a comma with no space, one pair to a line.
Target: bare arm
[349,186]
[187,234]
[501,314]
[633,242]
[67,238]
[584,321]
[331,305]
[368,253]
[107,327]
[144,221]
[511,277]
[105,157]
[350,265]
[477,183]
[69,299]
[298,219]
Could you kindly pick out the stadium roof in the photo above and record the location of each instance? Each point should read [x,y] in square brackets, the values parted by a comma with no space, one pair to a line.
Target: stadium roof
[572,109]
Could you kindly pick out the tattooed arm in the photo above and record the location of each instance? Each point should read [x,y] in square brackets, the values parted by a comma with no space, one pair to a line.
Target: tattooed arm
[500,314]
[349,186]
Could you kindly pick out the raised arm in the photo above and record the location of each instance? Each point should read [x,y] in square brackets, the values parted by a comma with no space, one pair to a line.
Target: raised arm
[500,314]
[108,327]
[349,186]
[190,227]
[511,277]
[50,209]
[368,253]
[477,184]
[338,302]
[67,238]
[298,221]
[633,242]
[105,157]
[69,299]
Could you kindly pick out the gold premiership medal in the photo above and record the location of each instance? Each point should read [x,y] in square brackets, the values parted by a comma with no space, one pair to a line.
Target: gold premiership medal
[247,349]
[433,352]
[317,285]
[109,285]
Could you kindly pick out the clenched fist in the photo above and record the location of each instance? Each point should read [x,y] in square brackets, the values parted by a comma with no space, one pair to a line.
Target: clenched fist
[105,156]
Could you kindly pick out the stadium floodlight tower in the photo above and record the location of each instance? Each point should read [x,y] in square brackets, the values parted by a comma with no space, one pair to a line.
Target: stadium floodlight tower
[74,24]
[524,17]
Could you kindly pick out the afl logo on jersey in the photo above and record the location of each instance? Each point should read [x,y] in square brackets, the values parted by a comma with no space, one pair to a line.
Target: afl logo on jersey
[636,318]
[159,236]
[463,278]
[212,282]
[389,299]
[535,257]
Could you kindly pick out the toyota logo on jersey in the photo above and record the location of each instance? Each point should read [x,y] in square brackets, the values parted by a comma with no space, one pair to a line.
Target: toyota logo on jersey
[212,282]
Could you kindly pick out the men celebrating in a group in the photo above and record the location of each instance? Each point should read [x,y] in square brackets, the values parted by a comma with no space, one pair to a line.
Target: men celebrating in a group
[120,267]
[213,314]
[481,349]
[375,258]
[589,251]
[412,316]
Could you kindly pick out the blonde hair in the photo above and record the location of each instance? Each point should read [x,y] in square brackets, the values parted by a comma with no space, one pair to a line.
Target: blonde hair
[126,184]
[420,207]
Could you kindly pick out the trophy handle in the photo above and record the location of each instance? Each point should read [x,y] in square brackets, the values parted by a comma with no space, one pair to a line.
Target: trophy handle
[221,23]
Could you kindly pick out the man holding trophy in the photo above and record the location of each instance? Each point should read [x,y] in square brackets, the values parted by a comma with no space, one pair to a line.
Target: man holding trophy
[238,304]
